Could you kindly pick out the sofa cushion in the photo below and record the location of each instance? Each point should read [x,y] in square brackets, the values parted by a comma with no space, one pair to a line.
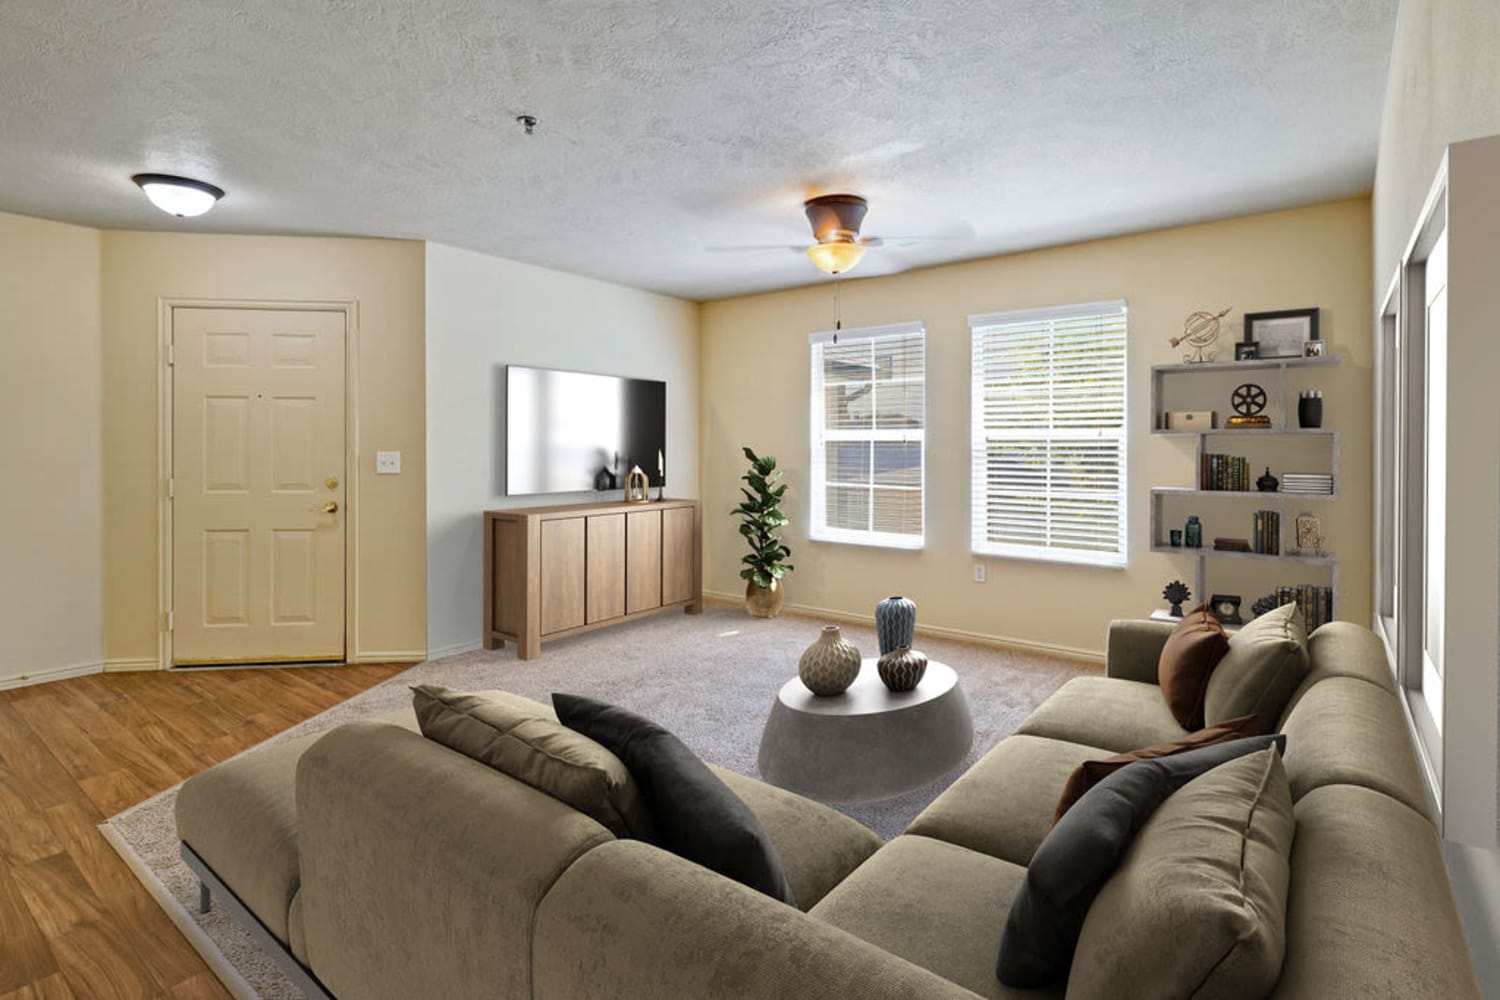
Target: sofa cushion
[933,904]
[1188,658]
[504,732]
[1198,906]
[1105,712]
[1266,661]
[1003,805]
[696,815]
[1348,731]
[818,846]
[1089,773]
[241,818]
[1370,912]
[1081,853]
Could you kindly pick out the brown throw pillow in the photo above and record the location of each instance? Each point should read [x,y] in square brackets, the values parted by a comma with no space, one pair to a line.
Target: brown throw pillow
[1091,772]
[1187,661]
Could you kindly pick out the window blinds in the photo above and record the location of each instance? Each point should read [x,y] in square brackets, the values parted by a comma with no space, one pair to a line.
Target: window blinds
[868,435]
[1048,423]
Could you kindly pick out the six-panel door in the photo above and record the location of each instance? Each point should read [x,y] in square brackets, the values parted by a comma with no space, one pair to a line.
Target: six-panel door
[258,485]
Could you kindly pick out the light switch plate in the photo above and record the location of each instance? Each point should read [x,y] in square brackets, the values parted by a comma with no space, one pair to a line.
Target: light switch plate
[387,463]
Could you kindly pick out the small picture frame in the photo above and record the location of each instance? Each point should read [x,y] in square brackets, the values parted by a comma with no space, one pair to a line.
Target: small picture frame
[1226,608]
[1247,352]
[1312,349]
[1282,333]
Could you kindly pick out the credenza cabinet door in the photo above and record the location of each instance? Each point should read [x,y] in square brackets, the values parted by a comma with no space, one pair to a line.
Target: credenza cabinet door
[563,561]
[606,567]
[642,560]
[678,552]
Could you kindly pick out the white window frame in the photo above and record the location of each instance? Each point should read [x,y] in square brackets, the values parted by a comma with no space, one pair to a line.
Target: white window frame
[819,437]
[981,437]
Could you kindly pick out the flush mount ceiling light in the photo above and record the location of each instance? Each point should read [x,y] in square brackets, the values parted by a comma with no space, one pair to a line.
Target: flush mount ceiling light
[179,196]
[836,256]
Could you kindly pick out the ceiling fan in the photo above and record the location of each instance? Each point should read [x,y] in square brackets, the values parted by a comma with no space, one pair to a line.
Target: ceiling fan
[835,221]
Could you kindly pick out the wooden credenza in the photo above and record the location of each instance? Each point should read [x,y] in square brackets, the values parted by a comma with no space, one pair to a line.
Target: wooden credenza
[556,571]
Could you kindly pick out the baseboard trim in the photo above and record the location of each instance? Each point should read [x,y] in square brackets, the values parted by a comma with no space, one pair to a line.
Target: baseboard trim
[125,664]
[938,631]
[50,674]
[391,656]
[438,652]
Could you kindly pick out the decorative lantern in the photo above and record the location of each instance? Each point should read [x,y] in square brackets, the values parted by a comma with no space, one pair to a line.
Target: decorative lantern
[637,486]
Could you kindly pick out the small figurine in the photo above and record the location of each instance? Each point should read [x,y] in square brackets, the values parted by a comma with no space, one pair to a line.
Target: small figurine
[1199,332]
[1176,592]
[1248,400]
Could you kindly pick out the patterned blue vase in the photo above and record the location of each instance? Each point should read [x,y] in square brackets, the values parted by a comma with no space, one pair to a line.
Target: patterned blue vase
[895,620]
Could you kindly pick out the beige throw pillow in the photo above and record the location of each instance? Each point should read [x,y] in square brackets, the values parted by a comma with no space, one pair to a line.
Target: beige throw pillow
[1267,660]
[521,741]
[1198,907]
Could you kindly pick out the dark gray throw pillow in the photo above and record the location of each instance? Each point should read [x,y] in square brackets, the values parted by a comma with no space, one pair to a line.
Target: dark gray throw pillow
[1082,852]
[697,817]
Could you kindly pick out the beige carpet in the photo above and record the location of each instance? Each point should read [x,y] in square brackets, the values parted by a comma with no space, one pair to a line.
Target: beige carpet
[710,678]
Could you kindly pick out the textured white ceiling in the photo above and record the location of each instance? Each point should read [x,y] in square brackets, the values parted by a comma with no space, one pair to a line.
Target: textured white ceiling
[672,126]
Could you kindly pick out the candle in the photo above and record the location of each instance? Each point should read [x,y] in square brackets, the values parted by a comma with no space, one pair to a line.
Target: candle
[661,465]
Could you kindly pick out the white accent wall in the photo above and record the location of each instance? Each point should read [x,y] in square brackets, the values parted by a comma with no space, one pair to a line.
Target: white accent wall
[484,313]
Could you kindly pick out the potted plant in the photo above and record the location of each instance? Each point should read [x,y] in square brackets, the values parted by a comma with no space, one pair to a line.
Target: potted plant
[760,520]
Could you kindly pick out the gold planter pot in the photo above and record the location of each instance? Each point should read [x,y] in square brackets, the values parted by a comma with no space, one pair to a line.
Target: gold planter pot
[763,602]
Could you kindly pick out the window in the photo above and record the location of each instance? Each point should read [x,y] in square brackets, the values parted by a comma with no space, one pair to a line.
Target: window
[869,394]
[1048,418]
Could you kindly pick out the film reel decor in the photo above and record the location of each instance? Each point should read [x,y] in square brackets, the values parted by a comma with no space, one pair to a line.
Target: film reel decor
[1248,400]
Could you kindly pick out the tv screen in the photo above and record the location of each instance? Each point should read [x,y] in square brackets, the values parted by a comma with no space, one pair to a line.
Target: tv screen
[567,432]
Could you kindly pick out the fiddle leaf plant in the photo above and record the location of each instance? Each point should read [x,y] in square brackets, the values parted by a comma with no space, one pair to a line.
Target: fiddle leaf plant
[760,521]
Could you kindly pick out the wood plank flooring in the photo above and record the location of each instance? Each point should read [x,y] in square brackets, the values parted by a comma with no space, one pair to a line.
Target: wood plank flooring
[74,921]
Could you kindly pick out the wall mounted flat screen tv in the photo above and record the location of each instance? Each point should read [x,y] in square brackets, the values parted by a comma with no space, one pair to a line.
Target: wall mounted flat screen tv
[568,432]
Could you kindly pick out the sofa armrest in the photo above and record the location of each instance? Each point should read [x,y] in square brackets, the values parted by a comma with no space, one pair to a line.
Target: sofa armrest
[421,868]
[1134,648]
[629,921]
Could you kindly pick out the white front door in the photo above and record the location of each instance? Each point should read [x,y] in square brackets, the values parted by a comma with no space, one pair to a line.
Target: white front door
[258,485]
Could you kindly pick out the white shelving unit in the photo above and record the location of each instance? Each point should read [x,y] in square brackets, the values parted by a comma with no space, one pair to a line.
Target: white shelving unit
[1280,428]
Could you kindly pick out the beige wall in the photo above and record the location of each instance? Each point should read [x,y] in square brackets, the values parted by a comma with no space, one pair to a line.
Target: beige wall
[1444,87]
[51,561]
[484,313]
[755,392]
[385,278]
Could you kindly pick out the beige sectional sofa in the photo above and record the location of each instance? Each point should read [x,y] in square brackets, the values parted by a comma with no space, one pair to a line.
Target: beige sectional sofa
[380,864]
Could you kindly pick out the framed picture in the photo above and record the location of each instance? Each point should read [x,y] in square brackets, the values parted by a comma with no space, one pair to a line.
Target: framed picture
[1312,349]
[1246,352]
[1281,334]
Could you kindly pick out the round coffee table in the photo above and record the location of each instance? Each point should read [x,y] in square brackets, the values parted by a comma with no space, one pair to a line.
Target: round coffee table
[867,743]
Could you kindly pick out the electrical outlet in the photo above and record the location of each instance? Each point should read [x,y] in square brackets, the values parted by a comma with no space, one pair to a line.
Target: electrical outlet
[979,572]
[387,463]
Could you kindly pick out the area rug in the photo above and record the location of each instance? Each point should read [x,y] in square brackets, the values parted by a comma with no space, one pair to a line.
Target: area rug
[710,678]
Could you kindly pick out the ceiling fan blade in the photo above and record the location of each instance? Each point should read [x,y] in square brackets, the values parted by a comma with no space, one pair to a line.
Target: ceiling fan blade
[795,248]
[906,241]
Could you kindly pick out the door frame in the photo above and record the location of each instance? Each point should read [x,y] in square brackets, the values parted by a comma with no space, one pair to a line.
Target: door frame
[165,427]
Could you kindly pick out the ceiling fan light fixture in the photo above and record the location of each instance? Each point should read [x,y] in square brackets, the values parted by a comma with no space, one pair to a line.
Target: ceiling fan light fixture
[179,196]
[836,256]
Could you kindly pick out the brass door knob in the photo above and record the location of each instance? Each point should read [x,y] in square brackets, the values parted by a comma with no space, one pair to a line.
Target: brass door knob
[331,507]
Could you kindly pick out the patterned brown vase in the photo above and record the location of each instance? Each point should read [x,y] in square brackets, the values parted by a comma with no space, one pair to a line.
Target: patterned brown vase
[829,665]
[902,668]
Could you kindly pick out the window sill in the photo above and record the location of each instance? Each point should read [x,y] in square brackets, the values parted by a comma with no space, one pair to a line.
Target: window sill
[1054,557]
[909,543]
